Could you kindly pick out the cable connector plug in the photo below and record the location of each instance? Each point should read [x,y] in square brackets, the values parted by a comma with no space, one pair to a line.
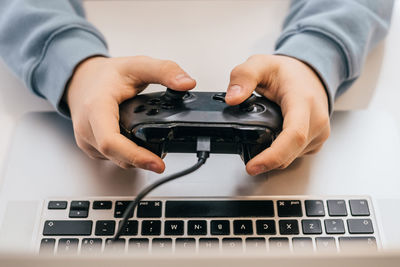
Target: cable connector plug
[203,147]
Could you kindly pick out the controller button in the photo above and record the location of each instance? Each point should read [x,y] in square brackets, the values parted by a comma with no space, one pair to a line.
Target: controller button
[139,109]
[167,105]
[173,95]
[152,112]
[187,96]
[255,108]
[220,97]
[154,101]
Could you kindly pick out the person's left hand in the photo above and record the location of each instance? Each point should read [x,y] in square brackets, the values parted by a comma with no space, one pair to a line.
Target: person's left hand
[297,89]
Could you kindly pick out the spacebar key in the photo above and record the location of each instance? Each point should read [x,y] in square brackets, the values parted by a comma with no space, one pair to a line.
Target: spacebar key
[54,228]
[219,208]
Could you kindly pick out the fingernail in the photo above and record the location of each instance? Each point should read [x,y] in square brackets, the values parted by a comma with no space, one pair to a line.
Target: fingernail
[183,77]
[152,167]
[259,169]
[234,91]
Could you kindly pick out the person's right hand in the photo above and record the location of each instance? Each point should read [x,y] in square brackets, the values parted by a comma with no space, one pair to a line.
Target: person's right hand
[95,91]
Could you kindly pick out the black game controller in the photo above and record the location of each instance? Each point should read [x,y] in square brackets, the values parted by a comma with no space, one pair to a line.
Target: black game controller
[171,121]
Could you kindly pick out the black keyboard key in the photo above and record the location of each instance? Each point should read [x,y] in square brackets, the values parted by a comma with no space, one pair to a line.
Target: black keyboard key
[185,245]
[337,207]
[114,246]
[105,228]
[219,208]
[120,207]
[334,226]
[232,244]
[288,227]
[243,227]
[149,209]
[47,246]
[161,245]
[314,208]
[220,227]
[302,244]
[359,207]
[67,246]
[255,244]
[325,244]
[78,213]
[56,228]
[278,244]
[208,244]
[197,227]
[311,227]
[357,243]
[151,227]
[131,228]
[138,245]
[173,228]
[79,205]
[289,208]
[91,245]
[265,227]
[102,205]
[57,205]
[360,226]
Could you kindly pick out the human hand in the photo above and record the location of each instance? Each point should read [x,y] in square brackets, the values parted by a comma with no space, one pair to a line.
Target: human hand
[95,91]
[297,89]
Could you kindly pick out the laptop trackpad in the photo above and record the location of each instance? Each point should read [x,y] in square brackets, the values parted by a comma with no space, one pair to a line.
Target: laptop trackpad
[19,222]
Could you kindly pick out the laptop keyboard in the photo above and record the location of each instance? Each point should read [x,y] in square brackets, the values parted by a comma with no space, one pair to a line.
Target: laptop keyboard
[196,225]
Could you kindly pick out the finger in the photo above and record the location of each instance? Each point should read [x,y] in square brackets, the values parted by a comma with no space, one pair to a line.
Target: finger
[245,78]
[115,146]
[149,70]
[89,149]
[289,143]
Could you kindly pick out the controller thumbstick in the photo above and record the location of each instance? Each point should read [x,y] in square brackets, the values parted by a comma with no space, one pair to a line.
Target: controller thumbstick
[249,104]
[174,96]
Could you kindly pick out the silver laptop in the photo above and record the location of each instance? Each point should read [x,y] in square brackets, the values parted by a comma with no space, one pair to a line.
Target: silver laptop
[56,201]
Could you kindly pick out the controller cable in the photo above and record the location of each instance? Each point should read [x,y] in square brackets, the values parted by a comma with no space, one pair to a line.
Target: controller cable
[203,152]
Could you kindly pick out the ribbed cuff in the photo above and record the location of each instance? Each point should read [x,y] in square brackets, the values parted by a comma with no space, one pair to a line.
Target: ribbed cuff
[62,54]
[321,53]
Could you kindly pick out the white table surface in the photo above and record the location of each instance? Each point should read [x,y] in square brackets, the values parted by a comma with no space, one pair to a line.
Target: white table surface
[208,38]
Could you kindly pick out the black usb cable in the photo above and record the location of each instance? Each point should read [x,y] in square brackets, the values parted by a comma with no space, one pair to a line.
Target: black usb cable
[203,152]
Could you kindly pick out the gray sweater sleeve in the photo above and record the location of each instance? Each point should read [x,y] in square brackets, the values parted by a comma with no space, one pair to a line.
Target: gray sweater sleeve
[334,37]
[42,41]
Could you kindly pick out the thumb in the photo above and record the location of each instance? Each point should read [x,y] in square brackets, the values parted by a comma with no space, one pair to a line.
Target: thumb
[243,81]
[166,72]
[246,77]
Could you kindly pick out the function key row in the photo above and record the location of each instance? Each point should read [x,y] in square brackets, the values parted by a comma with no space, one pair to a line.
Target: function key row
[220,208]
[142,245]
[200,227]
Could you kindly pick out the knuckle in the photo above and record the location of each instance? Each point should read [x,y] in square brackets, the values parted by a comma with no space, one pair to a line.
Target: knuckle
[326,134]
[168,65]
[276,161]
[323,122]
[105,146]
[81,143]
[80,132]
[241,71]
[315,150]
[300,137]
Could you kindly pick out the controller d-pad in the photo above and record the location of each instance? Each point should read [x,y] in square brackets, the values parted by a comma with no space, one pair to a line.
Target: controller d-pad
[139,109]
[154,101]
[220,97]
[152,112]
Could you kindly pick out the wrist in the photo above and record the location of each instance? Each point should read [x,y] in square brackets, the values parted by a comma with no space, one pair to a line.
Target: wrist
[81,70]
